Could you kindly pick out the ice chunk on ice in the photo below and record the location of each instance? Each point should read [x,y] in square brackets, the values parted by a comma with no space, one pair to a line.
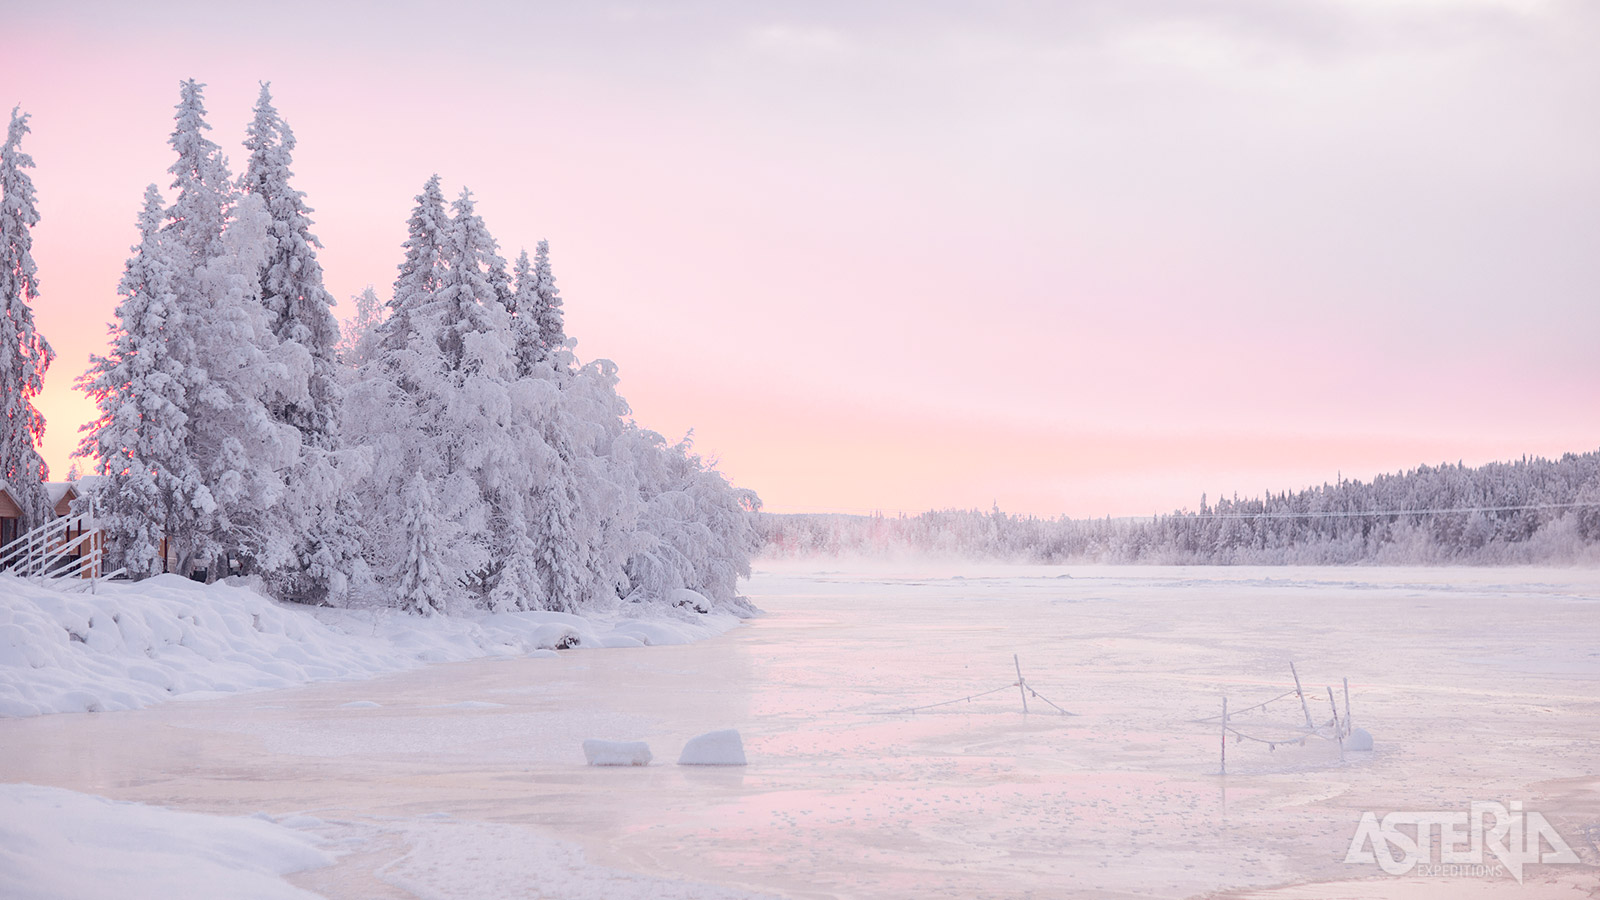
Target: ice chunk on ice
[616,753]
[716,748]
[1358,739]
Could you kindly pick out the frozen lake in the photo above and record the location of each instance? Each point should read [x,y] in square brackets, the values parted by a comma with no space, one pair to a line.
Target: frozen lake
[467,779]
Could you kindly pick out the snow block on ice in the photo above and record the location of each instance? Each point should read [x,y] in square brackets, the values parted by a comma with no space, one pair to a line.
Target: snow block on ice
[616,753]
[1358,739]
[716,748]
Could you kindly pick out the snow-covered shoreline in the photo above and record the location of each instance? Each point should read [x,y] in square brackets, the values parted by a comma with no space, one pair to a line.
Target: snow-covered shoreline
[130,646]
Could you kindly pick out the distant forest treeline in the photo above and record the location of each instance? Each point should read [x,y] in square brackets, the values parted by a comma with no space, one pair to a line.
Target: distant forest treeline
[1528,511]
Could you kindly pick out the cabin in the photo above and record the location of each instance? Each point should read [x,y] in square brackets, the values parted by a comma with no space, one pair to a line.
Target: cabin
[61,495]
[10,516]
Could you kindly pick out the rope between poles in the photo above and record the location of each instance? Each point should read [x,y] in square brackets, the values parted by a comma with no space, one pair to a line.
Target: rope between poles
[967,699]
[896,712]
[1246,709]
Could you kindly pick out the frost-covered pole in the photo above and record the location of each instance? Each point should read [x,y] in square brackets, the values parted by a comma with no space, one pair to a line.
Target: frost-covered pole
[94,548]
[1301,694]
[1022,687]
[1224,734]
[1338,726]
[1347,705]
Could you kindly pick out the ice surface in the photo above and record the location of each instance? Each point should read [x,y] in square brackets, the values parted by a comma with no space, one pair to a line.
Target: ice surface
[508,861]
[616,753]
[1480,684]
[133,645]
[714,748]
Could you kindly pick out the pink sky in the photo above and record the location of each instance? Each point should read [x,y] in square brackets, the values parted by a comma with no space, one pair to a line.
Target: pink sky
[1093,260]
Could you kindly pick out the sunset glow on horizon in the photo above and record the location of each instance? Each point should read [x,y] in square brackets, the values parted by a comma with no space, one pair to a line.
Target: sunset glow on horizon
[1095,260]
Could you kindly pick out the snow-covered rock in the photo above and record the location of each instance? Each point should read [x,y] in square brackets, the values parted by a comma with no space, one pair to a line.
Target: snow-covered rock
[689,599]
[616,753]
[716,748]
[1358,739]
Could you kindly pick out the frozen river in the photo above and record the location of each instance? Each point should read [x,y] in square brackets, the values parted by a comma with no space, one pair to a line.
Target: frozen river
[467,779]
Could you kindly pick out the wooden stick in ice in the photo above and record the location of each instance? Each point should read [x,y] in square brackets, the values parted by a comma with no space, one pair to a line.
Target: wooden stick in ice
[1303,707]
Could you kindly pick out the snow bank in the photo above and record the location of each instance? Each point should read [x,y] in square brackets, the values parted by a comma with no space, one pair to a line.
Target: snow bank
[716,748]
[63,845]
[138,644]
[616,753]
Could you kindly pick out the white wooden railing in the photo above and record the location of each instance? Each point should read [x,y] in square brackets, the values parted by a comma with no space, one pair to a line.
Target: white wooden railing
[48,555]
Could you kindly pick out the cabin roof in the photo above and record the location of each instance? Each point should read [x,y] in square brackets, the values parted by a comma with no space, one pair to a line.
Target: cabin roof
[58,489]
[55,491]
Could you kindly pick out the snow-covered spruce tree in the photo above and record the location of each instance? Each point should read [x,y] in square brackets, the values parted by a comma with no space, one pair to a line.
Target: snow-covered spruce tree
[196,220]
[320,506]
[219,245]
[560,546]
[440,401]
[299,308]
[415,289]
[555,544]
[242,451]
[329,565]
[421,579]
[489,438]
[24,354]
[140,389]
[190,242]
[540,327]
[359,345]
[515,583]
[393,399]
[547,311]
[525,323]
[554,505]
[474,297]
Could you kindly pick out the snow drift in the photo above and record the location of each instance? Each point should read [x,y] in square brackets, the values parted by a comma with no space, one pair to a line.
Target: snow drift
[61,845]
[135,645]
